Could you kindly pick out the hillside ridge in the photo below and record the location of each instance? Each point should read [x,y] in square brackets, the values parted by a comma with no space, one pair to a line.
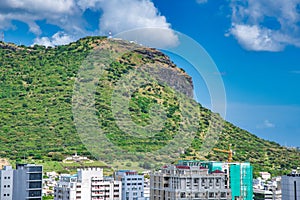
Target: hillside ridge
[36,118]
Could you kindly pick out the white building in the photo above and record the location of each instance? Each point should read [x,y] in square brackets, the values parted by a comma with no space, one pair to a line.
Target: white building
[66,188]
[290,186]
[87,184]
[6,183]
[265,175]
[132,184]
[147,189]
[27,182]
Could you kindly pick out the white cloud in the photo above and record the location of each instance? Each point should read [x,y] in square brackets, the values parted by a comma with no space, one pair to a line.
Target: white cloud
[58,38]
[62,13]
[250,25]
[256,38]
[266,124]
[117,16]
[130,15]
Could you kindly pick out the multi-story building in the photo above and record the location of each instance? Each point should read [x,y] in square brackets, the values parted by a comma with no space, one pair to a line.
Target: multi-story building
[106,188]
[66,188]
[147,189]
[6,183]
[183,182]
[290,186]
[132,184]
[241,181]
[267,189]
[27,182]
[87,184]
[235,177]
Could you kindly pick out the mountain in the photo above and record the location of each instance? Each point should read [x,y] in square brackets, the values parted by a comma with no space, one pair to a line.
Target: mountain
[37,121]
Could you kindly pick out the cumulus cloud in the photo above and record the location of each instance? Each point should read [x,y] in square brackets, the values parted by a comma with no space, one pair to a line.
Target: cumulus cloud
[62,13]
[266,124]
[117,16]
[59,38]
[256,38]
[266,25]
[140,19]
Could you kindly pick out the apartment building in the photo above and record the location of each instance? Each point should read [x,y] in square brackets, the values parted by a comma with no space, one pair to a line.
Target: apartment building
[132,184]
[6,183]
[27,182]
[290,186]
[87,184]
[183,182]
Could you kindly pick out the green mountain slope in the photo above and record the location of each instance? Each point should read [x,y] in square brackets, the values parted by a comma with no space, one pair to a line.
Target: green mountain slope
[36,118]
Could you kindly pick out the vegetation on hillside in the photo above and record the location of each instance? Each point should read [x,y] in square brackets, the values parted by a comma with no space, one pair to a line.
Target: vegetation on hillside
[36,119]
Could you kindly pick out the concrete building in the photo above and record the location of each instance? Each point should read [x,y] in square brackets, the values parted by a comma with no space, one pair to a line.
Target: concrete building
[66,188]
[267,188]
[27,182]
[6,183]
[290,186]
[132,184]
[262,194]
[147,189]
[183,182]
[87,184]
[239,176]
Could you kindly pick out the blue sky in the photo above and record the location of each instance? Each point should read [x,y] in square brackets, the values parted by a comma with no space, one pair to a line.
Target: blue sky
[254,43]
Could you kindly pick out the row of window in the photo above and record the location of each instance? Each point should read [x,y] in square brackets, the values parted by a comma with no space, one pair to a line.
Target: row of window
[6,186]
[6,177]
[133,184]
[132,179]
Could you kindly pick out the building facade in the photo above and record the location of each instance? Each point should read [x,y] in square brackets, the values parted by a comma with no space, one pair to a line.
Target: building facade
[132,184]
[27,182]
[6,183]
[87,184]
[66,188]
[290,186]
[183,182]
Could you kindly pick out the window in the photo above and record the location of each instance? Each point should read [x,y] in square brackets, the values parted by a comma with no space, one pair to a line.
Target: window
[35,193]
[35,169]
[35,184]
[223,194]
[37,176]
[182,195]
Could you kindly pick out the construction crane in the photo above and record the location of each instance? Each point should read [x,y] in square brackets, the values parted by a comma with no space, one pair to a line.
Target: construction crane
[229,151]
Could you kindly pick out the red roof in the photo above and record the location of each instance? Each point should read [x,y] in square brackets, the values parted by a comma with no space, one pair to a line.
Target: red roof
[182,167]
[217,172]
